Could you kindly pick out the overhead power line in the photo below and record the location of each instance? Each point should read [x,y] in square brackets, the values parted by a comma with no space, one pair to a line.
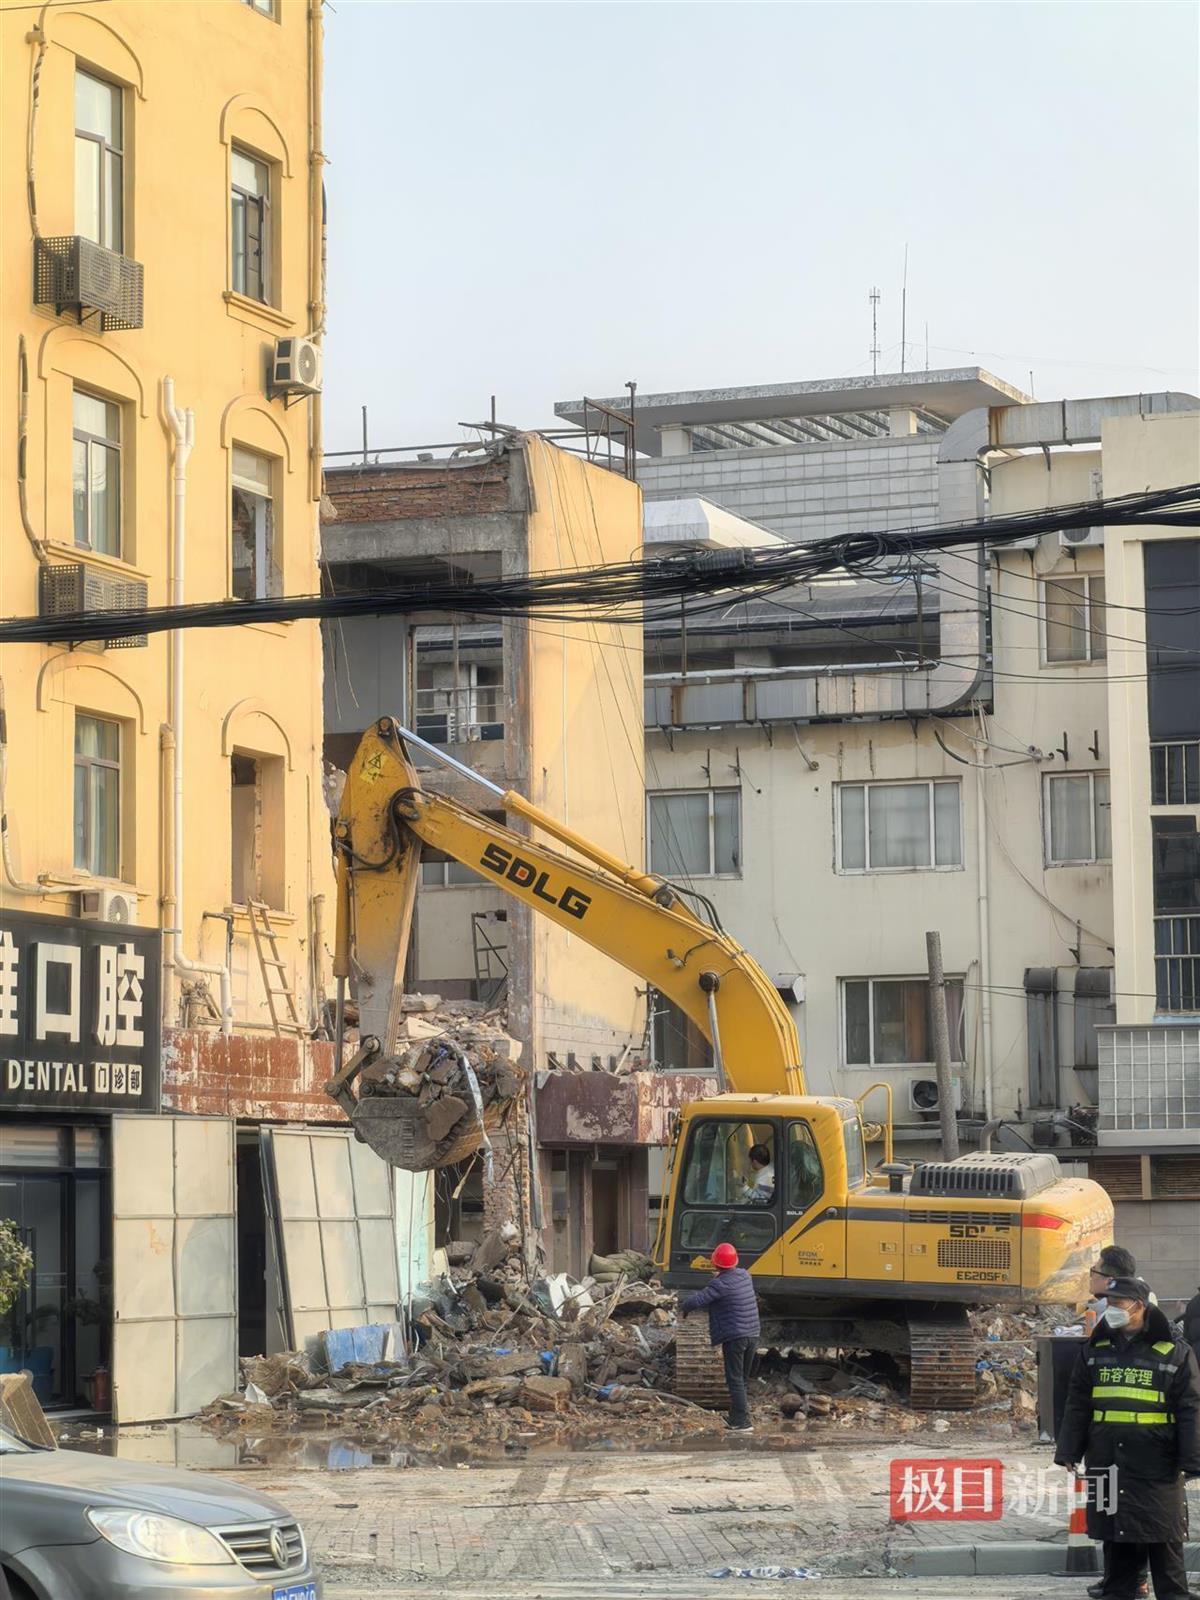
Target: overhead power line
[631,591]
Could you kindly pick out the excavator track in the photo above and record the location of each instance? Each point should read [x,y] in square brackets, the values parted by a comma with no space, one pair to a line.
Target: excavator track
[699,1365]
[943,1353]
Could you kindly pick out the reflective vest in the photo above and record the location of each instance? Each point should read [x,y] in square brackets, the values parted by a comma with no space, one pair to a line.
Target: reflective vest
[1129,1388]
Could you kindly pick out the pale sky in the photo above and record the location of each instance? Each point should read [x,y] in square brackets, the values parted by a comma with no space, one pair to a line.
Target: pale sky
[543,201]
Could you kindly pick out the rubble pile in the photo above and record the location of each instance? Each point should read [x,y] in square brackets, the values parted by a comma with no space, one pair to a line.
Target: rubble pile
[1006,1372]
[495,1362]
[435,1039]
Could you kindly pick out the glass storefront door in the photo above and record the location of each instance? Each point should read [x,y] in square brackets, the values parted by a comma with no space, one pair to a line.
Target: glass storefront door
[54,1186]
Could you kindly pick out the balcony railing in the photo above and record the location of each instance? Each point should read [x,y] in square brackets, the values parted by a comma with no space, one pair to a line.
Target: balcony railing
[1177,963]
[1175,773]
[459,716]
[744,695]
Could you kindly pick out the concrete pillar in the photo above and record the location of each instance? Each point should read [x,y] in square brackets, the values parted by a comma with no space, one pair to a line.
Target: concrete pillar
[675,441]
[902,420]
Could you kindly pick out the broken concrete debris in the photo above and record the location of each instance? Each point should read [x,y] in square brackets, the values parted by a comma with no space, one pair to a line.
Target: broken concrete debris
[436,1038]
[496,1362]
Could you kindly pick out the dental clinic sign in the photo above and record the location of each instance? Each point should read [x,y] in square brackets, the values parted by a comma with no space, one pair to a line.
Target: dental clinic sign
[79,1023]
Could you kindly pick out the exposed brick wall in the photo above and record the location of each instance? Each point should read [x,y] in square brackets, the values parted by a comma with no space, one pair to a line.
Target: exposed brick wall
[247,1076]
[385,494]
[507,1198]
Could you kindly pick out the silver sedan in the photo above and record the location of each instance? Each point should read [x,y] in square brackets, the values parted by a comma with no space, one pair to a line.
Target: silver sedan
[85,1527]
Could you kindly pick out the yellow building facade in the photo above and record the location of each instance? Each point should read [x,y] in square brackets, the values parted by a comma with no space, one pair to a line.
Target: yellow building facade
[161,194]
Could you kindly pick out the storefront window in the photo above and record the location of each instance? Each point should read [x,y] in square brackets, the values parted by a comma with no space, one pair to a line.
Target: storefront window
[54,1186]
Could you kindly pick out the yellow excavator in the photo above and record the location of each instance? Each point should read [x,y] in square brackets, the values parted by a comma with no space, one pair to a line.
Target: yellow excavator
[886,1260]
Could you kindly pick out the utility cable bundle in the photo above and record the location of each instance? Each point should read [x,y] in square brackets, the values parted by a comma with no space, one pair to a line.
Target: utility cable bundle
[649,590]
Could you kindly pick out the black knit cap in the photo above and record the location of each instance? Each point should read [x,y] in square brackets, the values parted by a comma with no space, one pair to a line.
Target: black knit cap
[1127,1289]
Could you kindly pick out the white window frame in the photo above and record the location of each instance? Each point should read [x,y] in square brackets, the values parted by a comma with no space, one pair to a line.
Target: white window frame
[265,8]
[895,783]
[267,566]
[1046,593]
[475,881]
[93,442]
[957,1058]
[666,794]
[248,201]
[108,154]
[89,765]
[1092,860]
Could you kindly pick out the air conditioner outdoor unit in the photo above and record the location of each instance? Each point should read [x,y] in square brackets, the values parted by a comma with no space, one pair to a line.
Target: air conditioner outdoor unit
[108,905]
[1075,538]
[75,274]
[297,367]
[77,586]
[923,1094]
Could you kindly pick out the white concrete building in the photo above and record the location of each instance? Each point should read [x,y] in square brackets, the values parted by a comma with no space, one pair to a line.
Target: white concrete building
[963,748]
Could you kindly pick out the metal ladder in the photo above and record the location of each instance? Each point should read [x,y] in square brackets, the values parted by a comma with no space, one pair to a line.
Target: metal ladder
[266,947]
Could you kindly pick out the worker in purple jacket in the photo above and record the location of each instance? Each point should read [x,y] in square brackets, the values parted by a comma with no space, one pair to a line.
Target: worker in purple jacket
[733,1324]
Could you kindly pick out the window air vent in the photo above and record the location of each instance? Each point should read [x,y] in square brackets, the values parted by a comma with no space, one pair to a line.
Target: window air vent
[76,274]
[68,590]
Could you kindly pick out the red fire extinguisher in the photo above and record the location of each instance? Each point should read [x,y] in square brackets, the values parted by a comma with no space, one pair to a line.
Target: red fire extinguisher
[101,1382]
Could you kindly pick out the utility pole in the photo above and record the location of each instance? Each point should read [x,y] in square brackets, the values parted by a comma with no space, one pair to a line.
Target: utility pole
[947,1111]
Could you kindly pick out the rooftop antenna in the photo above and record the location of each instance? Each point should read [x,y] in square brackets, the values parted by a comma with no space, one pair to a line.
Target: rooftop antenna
[874,298]
[926,347]
[904,312]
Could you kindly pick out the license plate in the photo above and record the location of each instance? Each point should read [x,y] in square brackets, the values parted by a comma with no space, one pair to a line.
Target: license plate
[295,1591]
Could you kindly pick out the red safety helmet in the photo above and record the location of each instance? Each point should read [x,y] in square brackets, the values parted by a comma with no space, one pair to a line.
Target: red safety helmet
[724,1256]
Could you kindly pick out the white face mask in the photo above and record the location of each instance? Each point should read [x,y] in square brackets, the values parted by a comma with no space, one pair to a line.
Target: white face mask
[1116,1316]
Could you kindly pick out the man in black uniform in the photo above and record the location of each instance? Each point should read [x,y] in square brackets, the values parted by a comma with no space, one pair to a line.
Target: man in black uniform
[1134,1404]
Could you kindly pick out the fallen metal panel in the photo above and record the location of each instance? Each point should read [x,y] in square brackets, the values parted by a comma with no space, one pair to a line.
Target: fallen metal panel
[341,1252]
[330,1203]
[204,1248]
[207,1359]
[174,1265]
[333,1177]
[377,1247]
[203,1170]
[372,1182]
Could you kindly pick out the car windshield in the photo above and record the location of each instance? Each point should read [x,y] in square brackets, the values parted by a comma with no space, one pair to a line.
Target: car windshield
[10,1445]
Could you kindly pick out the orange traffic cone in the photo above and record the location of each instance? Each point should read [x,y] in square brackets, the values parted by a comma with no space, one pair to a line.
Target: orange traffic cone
[1081,1552]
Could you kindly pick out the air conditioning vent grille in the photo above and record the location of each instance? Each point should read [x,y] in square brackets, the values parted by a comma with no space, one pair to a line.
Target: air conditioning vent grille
[75,588]
[76,274]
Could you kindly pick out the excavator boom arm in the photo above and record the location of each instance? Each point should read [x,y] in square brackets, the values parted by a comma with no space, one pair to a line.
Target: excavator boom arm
[637,920]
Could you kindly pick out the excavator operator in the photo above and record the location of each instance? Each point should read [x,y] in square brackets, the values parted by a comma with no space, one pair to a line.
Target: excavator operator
[759,1185]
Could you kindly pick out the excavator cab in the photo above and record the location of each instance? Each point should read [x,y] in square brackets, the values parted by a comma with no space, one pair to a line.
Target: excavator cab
[724,1191]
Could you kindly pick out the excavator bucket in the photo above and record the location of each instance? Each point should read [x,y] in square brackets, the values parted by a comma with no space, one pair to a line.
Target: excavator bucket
[410,1116]
[403,1129]
[446,1120]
